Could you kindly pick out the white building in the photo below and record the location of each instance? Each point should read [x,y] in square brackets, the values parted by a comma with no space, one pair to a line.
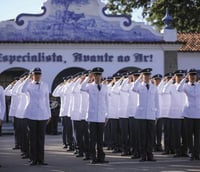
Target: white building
[72,36]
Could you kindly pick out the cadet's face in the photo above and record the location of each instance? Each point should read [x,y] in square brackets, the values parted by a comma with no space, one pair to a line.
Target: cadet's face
[146,78]
[135,77]
[97,78]
[167,79]
[156,81]
[178,78]
[192,77]
[36,77]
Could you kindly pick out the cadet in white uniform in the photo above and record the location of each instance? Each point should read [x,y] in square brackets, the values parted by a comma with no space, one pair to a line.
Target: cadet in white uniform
[131,110]
[2,105]
[12,113]
[37,113]
[146,113]
[124,117]
[75,113]
[63,91]
[192,112]
[98,108]
[113,113]
[165,104]
[58,93]
[23,101]
[84,130]
[107,130]
[159,121]
[178,104]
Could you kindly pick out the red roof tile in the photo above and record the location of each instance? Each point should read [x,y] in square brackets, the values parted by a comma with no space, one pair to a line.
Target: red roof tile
[192,41]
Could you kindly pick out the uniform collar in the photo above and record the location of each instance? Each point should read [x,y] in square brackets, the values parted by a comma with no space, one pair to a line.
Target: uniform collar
[191,83]
[143,83]
[97,84]
[34,82]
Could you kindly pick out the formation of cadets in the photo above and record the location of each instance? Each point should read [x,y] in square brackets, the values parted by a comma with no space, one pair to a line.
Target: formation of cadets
[131,113]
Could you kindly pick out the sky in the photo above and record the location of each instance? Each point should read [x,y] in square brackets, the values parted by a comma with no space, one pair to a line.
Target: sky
[10,9]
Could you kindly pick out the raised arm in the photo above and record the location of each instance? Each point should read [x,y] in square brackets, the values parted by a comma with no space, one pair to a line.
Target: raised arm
[25,86]
[125,85]
[116,87]
[84,84]
[57,90]
[167,87]
[181,85]
[136,84]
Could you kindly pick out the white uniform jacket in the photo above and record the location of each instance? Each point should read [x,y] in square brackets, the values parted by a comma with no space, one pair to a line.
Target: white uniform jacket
[114,100]
[133,99]
[14,100]
[98,101]
[23,99]
[164,101]
[69,98]
[76,101]
[84,104]
[38,107]
[148,105]
[2,103]
[192,109]
[109,87]
[58,92]
[123,100]
[178,100]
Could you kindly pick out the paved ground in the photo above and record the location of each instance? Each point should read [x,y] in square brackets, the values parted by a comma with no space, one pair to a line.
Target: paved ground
[61,161]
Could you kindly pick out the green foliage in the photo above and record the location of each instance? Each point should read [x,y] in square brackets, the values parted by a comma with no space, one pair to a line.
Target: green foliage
[186,14]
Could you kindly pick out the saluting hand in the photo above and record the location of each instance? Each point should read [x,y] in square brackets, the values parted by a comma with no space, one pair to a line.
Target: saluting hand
[91,77]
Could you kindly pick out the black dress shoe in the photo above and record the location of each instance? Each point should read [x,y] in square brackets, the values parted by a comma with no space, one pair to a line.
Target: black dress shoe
[142,160]
[185,155]
[172,152]
[0,166]
[15,148]
[191,158]
[86,158]
[194,158]
[65,147]
[159,149]
[33,163]
[70,149]
[25,157]
[116,151]
[102,161]
[166,153]
[135,156]
[124,154]
[177,156]
[42,163]
[93,161]
[151,159]
[79,155]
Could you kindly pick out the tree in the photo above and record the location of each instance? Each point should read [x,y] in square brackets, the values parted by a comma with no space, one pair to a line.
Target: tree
[185,13]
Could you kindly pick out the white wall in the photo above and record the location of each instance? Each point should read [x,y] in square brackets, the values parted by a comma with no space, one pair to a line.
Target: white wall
[154,57]
[188,60]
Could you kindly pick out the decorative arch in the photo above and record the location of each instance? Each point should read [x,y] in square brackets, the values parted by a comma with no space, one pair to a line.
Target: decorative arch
[8,75]
[127,69]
